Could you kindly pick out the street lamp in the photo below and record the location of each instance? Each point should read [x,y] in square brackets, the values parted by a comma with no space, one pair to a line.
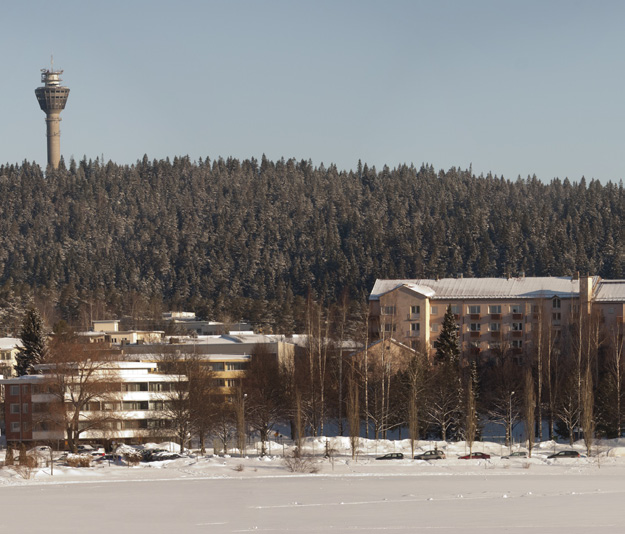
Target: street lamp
[241,423]
[510,421]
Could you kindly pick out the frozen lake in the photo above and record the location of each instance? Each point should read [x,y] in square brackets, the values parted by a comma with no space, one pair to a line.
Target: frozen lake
[212,494]
[486,502]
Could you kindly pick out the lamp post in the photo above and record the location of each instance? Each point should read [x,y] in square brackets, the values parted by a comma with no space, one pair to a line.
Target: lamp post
[510,420]
[241,424]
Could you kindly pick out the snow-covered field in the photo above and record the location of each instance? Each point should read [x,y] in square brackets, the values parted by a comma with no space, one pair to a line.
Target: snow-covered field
[231,494]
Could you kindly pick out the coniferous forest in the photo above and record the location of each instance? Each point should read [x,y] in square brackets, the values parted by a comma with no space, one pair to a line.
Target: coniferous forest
[251,239]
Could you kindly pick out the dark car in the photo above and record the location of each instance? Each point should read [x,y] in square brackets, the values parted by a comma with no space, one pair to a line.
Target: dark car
[391,456]
[475,456]
[431,455]
[564,454]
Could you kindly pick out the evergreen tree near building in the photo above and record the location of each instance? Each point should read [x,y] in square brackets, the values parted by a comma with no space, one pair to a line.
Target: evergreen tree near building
[34,347]
[447,345]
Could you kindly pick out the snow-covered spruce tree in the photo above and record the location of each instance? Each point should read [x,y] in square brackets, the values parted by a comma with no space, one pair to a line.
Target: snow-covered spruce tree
[447,346]
[445,407]
[33,339]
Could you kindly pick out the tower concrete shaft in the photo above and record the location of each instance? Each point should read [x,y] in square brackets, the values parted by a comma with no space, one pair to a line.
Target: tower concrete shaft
[52,98]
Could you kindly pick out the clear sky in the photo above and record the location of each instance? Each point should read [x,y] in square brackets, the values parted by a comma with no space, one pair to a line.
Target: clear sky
[514,88]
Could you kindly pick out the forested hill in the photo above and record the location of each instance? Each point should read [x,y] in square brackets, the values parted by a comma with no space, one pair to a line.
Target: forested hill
[247,237]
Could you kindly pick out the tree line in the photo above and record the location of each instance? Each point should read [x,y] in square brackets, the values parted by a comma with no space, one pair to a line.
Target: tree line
[252,239]
[569,384]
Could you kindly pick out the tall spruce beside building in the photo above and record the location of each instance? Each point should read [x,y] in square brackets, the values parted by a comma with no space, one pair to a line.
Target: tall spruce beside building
[447,345]
[34,344]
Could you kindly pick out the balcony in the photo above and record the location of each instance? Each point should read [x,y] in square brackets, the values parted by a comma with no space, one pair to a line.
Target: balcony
[475,335]
[517,333]
[495,316]
[517,316]
[475,316]
[495,335]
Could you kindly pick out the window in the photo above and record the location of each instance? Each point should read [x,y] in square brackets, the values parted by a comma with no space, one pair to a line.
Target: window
[433,328]
[25,408]
[15,391]
[494,345]
[139,386]
[475,327]
[556,303]
[415,310]
[434,310]
[415,327]
[388,310]
[611,310]
[516,308]
[474,310]
[25,390]
[455,309]
[134,406]
[495,327]
[218,366]
[556,316]
[494,309]
[390,327]
[15,408]
[15,426]
[516,327]
[39,407]
[517,344]
[236,366]
[160,386]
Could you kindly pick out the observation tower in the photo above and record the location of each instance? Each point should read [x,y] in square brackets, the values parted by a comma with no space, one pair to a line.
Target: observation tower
[52,98]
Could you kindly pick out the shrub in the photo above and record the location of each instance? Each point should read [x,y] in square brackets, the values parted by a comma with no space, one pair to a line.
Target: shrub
[79,460]
[300,464]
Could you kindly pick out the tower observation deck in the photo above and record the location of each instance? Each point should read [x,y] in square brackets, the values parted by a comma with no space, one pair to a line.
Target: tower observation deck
[52,98]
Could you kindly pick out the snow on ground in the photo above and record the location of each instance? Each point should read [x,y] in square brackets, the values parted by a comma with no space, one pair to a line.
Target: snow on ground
[227,494]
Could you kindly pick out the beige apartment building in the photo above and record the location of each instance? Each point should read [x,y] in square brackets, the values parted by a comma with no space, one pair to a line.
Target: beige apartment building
[492,313]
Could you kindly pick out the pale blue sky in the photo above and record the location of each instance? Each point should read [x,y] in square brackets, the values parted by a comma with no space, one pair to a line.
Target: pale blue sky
[515,88]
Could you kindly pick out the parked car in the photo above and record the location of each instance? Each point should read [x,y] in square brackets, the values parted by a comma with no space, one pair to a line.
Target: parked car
[391,456]
[516,454]
[475,456]
[94,450]
[431,455]
[565,454]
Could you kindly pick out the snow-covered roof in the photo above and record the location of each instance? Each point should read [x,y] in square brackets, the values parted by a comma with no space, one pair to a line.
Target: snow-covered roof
[230,339]
[484,288]
[156,356]
[10,343]
[610,291]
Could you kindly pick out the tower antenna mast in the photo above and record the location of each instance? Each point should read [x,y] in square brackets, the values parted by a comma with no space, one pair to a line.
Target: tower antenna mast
[52,98]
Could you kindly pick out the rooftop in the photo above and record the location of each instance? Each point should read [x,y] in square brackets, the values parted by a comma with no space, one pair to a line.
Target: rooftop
[484,288]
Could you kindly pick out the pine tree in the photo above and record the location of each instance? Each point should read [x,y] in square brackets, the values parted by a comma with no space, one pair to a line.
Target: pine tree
[33,339]
[447,346]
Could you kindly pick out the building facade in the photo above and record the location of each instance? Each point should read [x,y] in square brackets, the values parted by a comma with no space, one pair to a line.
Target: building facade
[492,313]
[135,412]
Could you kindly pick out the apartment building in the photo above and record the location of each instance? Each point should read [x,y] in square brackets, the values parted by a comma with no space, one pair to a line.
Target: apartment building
[135,412]
[9,347]
[491,313]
